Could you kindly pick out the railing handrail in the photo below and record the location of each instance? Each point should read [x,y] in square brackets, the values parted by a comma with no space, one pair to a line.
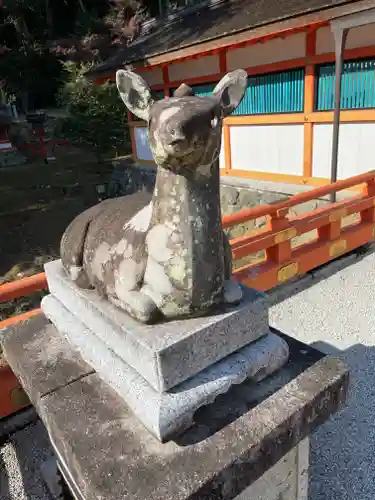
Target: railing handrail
[271,208]
[22,287]
[264,238]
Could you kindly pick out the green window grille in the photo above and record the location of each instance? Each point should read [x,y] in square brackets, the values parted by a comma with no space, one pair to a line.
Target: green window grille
[265,94]
[273,93]
[199,90]
[203,90]
[357,85]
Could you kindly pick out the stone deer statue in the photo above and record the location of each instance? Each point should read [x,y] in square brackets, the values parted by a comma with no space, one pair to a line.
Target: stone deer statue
[163,255]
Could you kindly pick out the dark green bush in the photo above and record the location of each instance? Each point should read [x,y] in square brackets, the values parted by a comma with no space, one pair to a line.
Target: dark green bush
[96,116]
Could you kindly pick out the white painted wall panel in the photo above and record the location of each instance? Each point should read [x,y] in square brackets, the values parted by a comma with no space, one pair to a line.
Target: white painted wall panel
[356,146]
[192,68]
[153,76]
[222,156]
[362,36]
[279,49]
[141,141]
[267,148]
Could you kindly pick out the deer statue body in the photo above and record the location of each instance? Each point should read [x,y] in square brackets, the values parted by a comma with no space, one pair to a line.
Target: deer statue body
[165,254]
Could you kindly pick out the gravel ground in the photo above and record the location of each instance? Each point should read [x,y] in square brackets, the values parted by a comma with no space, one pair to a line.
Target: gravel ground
[20,459]
[336,313]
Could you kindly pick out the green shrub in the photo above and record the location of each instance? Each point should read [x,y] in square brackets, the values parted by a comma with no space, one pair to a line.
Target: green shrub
[96,116]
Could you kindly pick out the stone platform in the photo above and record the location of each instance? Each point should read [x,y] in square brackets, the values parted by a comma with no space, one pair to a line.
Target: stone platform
[165,413]
[230,452]
[169,353]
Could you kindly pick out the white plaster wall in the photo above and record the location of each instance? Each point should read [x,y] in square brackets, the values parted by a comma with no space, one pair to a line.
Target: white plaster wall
[267,148]
[222,155]
[153,76]
[141,141]
[279,49]
[356,149]
[192,68]
[363,36]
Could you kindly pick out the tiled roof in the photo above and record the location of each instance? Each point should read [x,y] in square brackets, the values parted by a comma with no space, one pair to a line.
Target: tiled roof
[209,23]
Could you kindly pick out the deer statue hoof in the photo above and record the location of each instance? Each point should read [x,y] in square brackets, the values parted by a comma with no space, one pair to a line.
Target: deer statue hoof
[232,292]
[139,305]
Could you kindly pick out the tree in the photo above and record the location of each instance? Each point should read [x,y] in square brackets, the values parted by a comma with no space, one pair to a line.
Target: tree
[36,34]
[124,17]
[96,119]
[30,71]
[26,64]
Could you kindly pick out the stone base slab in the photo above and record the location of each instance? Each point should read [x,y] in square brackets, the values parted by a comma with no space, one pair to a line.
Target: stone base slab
[286,480]
[235,442]
[167,413]
[165,354]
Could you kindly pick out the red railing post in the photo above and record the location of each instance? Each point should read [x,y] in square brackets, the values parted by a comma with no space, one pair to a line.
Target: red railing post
[368,215]
[331,231]
[281,251]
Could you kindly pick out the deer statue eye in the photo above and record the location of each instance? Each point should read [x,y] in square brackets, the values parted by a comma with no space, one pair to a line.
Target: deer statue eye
[214,122]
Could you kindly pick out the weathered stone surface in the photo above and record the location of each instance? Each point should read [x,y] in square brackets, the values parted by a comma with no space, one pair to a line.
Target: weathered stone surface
[42,360]
[235,440]
[286,480]
[168,353]
[167,413]
[167,258]
[229,196]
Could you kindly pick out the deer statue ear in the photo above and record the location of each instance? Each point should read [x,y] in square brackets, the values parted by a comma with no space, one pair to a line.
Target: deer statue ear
[135,93]
[230,90]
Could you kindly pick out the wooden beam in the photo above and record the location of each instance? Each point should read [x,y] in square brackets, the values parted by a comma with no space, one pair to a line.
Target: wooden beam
[165,80]
[223,61]
[227,149]
[309,97]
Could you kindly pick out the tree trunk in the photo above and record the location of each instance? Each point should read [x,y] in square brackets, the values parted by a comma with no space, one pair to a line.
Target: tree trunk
[24,96]
[49,17]
[82,5]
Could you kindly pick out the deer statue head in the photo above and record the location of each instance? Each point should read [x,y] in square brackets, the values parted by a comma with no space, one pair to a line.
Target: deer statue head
[184,132]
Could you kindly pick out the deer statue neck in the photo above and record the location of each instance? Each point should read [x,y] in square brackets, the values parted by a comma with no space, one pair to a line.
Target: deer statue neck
[188,205]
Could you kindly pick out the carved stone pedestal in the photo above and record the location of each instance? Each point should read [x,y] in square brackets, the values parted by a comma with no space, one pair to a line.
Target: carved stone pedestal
[165,372]
[248,444]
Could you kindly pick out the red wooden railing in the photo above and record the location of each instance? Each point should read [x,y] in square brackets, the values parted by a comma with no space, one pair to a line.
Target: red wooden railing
[22,288]
[282,261]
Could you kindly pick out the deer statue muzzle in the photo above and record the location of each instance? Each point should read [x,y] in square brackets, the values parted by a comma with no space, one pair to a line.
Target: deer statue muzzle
[163,255]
